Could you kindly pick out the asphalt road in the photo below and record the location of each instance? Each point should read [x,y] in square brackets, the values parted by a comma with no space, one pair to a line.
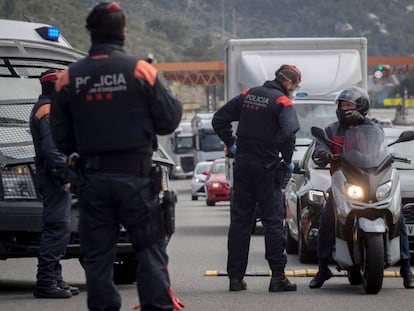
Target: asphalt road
[199,245]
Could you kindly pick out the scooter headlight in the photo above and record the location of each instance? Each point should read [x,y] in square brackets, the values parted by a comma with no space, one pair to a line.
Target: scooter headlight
[383,191]
[354,192]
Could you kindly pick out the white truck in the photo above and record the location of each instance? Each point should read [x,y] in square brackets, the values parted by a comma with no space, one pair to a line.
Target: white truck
[208,146]
[328,65]
[180,148]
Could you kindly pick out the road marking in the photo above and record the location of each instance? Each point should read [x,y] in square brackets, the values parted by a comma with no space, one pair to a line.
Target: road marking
[295,273]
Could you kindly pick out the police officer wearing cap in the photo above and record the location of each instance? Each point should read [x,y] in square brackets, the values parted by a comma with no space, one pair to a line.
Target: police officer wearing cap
[265,143]
[109,108]
[52,185]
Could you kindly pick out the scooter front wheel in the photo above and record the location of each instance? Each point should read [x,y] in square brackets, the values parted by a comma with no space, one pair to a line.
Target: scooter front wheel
[373,264]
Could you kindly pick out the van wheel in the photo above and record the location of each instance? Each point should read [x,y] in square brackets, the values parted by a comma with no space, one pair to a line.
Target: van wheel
[194,198]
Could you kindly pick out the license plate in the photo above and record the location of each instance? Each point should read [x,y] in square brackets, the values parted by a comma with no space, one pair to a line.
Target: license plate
[410,230]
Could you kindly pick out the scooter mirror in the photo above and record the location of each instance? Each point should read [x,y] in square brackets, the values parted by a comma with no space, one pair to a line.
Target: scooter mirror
[320,134]
[404,136]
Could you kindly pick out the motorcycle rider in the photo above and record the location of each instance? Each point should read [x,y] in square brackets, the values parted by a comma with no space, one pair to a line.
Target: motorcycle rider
[353,105]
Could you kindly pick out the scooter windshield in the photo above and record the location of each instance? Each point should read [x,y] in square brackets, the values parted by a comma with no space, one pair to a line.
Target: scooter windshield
[365,146]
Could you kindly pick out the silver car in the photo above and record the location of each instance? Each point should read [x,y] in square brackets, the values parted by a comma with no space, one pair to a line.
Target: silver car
[199,177]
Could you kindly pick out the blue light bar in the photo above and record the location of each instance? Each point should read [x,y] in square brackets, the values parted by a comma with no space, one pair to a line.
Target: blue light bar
[49,33]
[53,33]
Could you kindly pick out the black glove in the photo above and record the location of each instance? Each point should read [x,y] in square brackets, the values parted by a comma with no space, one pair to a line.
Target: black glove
[326,156]
[353,117]
[59,175]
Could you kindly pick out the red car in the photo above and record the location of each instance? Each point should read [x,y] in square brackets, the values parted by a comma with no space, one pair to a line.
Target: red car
[217,186]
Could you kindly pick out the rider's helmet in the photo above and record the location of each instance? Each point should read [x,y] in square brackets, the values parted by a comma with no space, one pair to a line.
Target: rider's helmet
[354,95]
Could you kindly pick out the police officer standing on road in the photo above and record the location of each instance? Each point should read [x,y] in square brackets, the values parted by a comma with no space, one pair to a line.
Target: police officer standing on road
[110,107]
[52,185]
[352,109]
[266,129]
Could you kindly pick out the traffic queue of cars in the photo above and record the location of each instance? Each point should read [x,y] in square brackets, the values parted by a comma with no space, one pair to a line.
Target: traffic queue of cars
[306,192]
[209,181]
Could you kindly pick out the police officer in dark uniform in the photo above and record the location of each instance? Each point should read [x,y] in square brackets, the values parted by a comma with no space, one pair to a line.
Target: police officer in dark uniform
[352,108]
[265,143]
[52,185]
[110,107]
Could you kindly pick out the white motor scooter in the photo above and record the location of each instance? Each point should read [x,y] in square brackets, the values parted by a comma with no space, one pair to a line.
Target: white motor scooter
[367,205]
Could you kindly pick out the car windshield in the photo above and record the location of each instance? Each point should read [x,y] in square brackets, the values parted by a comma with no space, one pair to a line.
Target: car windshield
[313,114]
[365,146]
[218,168]
[211,142]
[202,167]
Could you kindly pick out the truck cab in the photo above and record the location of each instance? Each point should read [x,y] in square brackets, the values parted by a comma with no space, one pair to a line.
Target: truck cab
[208,146]
[180,147]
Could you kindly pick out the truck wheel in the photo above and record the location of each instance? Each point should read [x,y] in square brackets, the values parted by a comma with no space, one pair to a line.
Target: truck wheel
[373,259]
[125,270]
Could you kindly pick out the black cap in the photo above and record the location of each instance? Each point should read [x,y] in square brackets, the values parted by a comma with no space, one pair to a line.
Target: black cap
[99,11]
[49,75]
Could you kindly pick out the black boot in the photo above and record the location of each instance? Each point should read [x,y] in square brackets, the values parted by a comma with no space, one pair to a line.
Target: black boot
[409,280]
[280,283]
[323,274]
[51,292]
[237,285]
[73,289]
[406,273]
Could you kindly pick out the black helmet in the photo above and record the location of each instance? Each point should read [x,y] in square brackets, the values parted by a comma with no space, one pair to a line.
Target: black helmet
[354,95]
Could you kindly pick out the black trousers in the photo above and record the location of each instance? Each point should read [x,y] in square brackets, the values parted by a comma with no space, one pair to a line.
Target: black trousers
[106,201]
[55,231]
[253,183]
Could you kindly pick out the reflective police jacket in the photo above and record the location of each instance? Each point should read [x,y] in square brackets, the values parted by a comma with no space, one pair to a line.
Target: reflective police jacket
[112,104]
[48,157]
[267,123]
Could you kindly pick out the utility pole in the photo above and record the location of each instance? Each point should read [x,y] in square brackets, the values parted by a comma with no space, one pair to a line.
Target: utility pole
[222,18]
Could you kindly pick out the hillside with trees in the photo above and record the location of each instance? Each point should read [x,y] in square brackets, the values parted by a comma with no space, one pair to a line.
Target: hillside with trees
[196,30]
